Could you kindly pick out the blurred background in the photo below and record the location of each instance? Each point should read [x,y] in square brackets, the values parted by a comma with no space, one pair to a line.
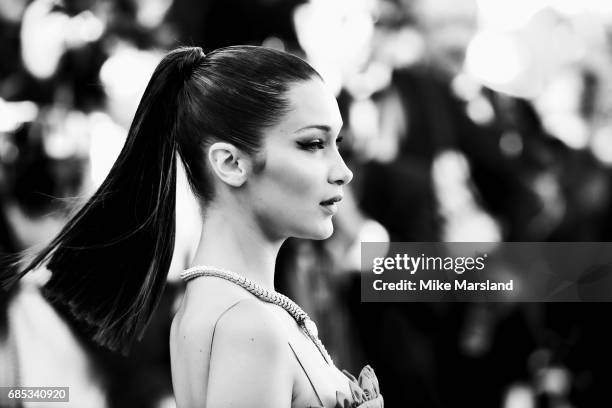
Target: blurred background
[464,120]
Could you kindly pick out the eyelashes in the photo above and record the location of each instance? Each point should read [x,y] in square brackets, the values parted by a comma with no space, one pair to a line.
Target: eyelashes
[312,145]
[317,144]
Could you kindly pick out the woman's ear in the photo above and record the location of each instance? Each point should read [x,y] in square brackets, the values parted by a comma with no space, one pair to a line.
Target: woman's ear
[229,163]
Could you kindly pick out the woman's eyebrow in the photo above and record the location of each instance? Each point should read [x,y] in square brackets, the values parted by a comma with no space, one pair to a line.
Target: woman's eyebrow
[324,128]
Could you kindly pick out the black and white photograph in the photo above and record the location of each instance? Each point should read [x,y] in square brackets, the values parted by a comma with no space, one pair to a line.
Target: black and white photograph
[305,203]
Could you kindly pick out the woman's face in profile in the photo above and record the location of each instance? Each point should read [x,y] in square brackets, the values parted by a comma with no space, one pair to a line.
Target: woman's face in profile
[296,193]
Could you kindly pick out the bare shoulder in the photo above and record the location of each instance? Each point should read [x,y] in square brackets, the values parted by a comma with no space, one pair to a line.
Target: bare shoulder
[227,324]
[249,322]
[227,349]
[250,360]
[203,303]
[191,332]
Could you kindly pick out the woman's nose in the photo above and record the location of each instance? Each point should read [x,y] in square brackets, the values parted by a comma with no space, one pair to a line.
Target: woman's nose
[340,174]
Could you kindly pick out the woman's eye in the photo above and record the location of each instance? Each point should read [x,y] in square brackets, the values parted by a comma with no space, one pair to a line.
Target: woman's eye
[312,145]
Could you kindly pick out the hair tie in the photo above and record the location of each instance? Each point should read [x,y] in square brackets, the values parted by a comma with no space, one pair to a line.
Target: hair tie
[189,59]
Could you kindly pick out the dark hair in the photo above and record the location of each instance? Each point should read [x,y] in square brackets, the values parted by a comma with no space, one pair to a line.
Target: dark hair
[110,262]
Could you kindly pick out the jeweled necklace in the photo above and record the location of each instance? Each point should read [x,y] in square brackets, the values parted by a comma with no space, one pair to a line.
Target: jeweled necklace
[307,325]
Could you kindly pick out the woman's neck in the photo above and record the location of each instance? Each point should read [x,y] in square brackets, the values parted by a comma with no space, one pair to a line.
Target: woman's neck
[233,242]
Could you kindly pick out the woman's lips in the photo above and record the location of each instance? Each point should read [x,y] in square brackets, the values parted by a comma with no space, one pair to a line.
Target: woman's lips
[332,200]
[330,208]
[329,205]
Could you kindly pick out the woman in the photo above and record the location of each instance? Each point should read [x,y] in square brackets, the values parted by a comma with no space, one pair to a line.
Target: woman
[256,130]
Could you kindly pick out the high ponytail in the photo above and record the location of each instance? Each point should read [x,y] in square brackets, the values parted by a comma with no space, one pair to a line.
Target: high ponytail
[110,262]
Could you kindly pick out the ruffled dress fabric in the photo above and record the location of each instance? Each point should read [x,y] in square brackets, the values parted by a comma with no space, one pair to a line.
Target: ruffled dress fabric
[365,391]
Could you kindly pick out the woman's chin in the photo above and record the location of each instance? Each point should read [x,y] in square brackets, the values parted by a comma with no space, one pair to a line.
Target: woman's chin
[324,231]
[320,230]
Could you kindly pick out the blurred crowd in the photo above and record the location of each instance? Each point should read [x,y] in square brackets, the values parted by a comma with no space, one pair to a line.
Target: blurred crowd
[464,120]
